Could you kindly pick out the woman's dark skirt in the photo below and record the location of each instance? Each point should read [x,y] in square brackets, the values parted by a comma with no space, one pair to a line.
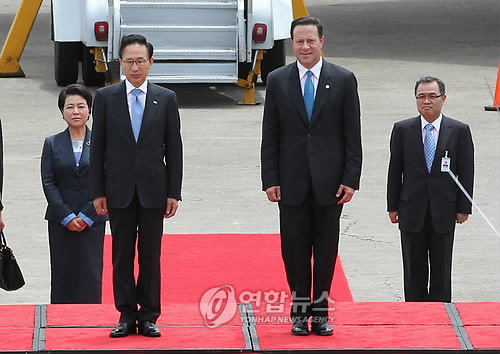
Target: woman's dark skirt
[76,264]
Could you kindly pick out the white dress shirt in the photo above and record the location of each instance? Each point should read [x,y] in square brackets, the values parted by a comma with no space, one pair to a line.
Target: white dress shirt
[316,70]
[130,95]
[435,131]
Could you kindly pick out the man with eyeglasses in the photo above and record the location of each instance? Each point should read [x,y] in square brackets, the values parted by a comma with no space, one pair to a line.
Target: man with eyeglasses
[422,197]
[136,177]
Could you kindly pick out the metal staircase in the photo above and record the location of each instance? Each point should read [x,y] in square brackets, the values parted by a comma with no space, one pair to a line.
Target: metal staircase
[194,40]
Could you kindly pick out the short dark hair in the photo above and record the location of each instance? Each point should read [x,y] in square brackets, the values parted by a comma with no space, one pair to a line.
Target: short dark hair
[304,21]
[74,90]
[429,79]
[135,39]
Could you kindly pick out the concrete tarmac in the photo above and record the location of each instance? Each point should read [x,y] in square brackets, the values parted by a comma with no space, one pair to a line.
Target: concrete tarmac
[387,44]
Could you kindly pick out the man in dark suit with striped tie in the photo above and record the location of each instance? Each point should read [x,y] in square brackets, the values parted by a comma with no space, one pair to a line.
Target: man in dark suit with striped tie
[425,201]
[311,165]
[136,175]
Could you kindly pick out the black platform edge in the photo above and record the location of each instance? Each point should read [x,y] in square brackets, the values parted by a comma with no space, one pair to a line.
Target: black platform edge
[141,351]
[252,328]
[458,326]
[133,351]
[378,351]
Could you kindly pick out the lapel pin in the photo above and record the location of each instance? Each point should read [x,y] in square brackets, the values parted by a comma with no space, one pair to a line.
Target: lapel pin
[327,87]
[155,102]
[88,143]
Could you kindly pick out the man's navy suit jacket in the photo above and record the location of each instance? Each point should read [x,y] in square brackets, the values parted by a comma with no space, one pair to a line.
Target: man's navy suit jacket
[152,166]
[323,153]
[411,189]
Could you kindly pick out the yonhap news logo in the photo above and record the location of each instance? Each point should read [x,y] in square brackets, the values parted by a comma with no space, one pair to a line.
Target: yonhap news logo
[218,305]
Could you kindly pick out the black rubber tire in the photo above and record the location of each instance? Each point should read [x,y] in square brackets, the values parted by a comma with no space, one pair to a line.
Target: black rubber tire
[89,75]
[273,59]
[66,60]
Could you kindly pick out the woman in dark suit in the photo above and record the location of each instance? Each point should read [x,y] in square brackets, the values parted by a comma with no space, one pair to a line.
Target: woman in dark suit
[76,232]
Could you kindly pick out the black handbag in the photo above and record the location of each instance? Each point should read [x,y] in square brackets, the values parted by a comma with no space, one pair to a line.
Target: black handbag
[11,277]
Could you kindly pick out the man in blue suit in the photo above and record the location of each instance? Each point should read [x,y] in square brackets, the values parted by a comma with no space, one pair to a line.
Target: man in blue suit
[136,174]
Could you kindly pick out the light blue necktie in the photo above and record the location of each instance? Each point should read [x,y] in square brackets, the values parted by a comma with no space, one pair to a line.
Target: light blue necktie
[309,94]
[137,113]
[429,146]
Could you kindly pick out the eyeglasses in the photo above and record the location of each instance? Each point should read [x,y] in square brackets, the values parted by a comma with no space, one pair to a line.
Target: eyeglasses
[140,62]
[431,97]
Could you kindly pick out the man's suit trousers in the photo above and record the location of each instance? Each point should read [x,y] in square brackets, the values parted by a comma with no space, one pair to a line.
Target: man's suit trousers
[421,249]
[309,230]
[131,226]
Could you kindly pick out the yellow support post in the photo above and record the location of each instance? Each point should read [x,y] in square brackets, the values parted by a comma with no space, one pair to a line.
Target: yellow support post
[299,9]
[249,83]
[17,37]
[100,62]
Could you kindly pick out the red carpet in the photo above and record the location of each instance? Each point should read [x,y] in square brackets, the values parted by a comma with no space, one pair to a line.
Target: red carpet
[391,313]
[252,266]
[369,313]
[87,327]
[250,263]
[483,327]
[16,339]
[484,337]
[362,337]
[201,338]
[183,314]
[23,314]
[385,326]
[489,314]
[400,327]
[16,327]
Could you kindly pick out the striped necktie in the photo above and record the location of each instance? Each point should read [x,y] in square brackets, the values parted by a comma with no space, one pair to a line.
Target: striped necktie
[429,146]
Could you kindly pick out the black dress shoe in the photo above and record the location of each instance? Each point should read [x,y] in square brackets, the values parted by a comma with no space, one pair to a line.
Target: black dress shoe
[148,329]
[300,328]
[122,330]
[321,328]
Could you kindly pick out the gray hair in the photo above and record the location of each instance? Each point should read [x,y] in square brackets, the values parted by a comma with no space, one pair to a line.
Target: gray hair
[428,79]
